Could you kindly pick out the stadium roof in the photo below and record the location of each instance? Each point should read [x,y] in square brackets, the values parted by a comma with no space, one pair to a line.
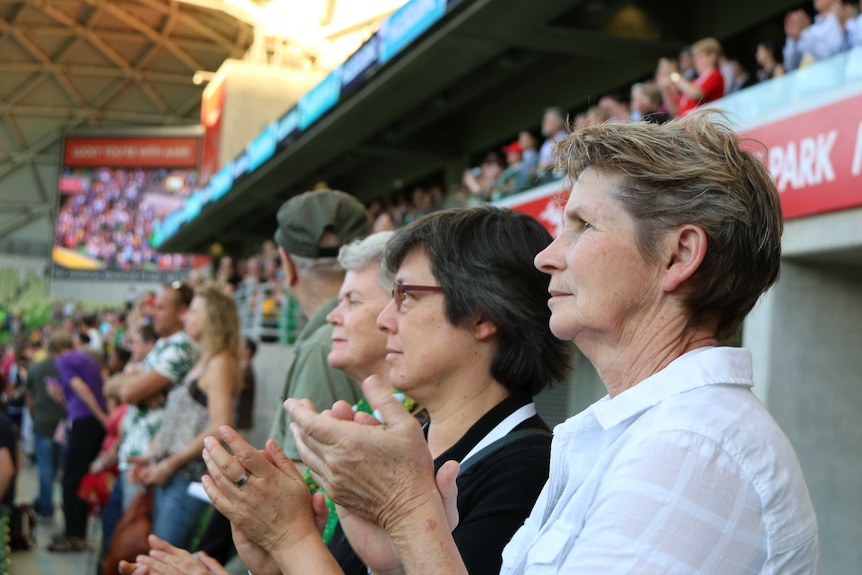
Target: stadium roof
[72,65]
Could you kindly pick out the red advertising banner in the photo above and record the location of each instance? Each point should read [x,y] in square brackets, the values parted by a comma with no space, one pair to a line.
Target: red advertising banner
[545,203]
[178,152]
[815,157]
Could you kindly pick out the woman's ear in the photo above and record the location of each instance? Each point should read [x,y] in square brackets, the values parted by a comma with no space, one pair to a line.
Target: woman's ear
[686,250]
[484,329]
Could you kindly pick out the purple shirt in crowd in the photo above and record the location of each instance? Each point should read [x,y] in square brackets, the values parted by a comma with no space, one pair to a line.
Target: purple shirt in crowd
[75,363]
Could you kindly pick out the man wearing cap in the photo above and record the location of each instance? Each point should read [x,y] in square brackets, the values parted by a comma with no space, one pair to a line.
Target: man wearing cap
[312,227]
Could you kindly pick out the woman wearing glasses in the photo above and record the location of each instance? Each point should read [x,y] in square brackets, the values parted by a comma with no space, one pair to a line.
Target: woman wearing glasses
[467,338]
[193,410]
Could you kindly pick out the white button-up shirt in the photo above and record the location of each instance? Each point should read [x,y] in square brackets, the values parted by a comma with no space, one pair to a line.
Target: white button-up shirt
[685,473]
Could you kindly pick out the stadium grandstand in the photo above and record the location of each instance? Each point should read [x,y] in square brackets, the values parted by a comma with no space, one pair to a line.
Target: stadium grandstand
[412,106]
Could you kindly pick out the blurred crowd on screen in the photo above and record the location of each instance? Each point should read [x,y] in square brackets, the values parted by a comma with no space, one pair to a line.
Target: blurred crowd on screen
[114,211]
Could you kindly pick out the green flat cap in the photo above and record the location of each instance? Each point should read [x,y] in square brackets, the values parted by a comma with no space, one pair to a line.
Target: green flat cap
[303,219]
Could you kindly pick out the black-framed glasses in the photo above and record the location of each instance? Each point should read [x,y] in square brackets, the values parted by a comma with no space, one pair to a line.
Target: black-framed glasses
[399,289]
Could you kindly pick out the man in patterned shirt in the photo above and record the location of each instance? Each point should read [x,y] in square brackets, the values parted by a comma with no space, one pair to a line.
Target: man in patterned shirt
[164,366]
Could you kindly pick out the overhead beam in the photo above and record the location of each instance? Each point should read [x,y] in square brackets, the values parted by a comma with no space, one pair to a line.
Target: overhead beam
[98,72]
[591,43]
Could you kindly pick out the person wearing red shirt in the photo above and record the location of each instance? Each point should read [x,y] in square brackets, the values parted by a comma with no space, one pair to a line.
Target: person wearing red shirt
[682,96]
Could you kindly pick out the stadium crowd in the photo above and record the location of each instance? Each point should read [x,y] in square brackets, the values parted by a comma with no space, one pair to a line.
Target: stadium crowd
[113,213]
[98,386]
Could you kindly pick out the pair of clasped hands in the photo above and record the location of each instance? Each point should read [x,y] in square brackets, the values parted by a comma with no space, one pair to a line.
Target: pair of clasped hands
[378,475]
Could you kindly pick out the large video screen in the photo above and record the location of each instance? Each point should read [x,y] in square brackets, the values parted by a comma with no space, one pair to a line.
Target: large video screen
[112,192]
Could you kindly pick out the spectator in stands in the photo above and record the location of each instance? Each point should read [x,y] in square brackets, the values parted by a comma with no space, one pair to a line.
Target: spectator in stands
[47,413]
[143,387]
[739,77]
[384,222]
[86,413]
[91,327]
[529,156]
[510,180]
[809,41]
[227,276]
[481,179]
[312,227]
[8,462]
[768,65]
[117,360]
[686,64]
[646,103]
[193,410]
[554,130]
[682,96]
[853,25]
[617,106]
[595,116]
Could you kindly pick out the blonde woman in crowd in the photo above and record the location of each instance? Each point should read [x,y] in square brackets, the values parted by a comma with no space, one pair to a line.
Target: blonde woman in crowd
[194,410]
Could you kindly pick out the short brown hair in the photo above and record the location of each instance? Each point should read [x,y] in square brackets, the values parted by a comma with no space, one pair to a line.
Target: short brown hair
[60,341]
[693,171]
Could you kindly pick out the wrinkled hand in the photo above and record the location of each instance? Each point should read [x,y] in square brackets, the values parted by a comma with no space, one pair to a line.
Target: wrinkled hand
[379,472]
[374,545]
[273,508]
[256,559]
[165,559]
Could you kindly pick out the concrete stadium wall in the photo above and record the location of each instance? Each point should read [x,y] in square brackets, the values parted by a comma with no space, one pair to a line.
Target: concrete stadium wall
[806,336]
[97,291]
[270,365]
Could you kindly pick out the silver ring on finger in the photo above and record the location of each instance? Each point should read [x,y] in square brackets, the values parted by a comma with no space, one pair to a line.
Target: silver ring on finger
[242,480]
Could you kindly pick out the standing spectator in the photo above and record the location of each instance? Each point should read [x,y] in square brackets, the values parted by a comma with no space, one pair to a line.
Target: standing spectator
[47,412]
[768,65]
[8,462]
[480,180]
[91,327]
[507,182]
[646,103]
[617,106]
[81,382]
[193,410]
[312,227]
[529,156]
[809,41]
[708,87]
[228,277]
[739,77]
[130,297]
[384,222]
[143,387]
[686,64]
[554,130]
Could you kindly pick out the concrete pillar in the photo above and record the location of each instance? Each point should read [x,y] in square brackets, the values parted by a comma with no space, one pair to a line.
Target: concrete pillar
[807,341]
